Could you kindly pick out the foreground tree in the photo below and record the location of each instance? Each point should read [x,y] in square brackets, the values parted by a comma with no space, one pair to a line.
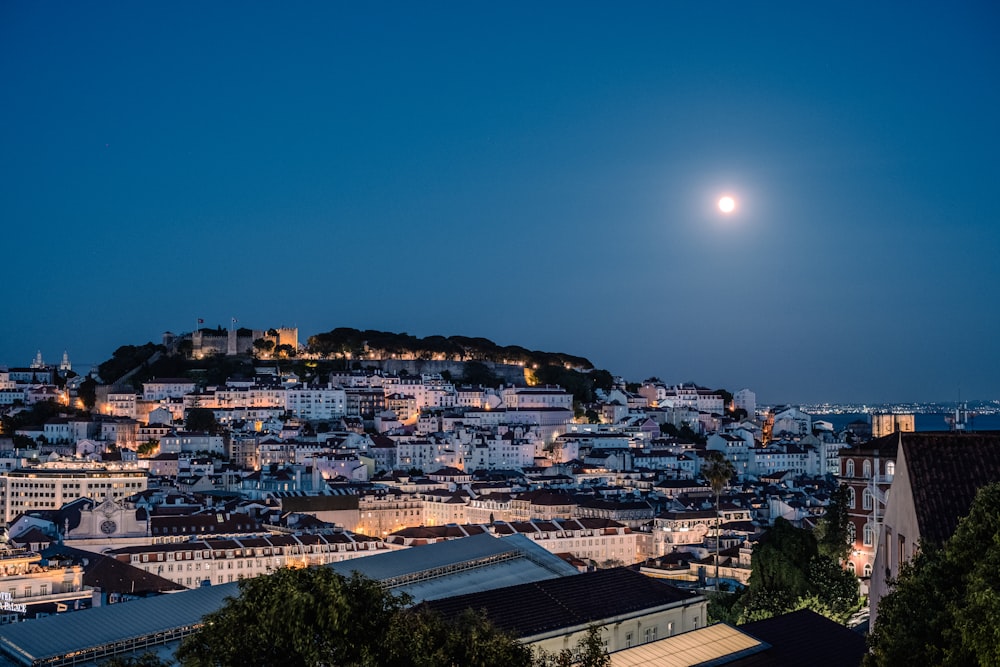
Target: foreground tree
[589,652]
[789,572]
[831,531]
[422,639]
[319,617]
[942,609]
[296,618]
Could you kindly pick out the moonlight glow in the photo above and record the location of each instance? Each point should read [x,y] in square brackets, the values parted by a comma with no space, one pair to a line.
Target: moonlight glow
[727,204]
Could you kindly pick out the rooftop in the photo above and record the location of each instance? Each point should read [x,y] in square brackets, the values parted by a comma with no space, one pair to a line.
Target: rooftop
[531,609]
[946,469]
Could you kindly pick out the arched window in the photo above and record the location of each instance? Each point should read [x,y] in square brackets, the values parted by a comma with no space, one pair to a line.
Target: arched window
[849,468]
[890,468]
[869,535]
[852,499]
[866,500]
[868,569]
[867,469]
[852,532]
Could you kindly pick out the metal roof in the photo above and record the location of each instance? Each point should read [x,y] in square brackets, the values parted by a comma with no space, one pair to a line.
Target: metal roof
[466,565]
[53,636]
[713,645]
[449,568]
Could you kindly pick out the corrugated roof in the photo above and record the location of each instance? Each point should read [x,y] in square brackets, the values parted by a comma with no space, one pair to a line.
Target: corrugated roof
[696,647]
[56,635]
[406,562]
[448,568]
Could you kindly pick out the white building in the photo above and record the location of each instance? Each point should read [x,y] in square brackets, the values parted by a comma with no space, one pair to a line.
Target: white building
[52,485]
[746,400]
[316,403]
[219,561]
[157,390]
[191,443]
[515,398]
[692,397]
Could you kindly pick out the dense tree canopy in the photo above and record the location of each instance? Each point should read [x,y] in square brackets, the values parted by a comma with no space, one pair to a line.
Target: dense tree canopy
[384,344]
[316,616]
[831,532]
[789,573]
[201,420]
[35,415]
[87,392]
[125,359]
[944,607]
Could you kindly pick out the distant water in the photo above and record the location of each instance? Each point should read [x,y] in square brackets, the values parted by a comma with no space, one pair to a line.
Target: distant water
[921,422]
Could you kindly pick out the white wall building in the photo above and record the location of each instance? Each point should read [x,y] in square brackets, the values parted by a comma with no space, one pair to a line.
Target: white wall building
[52,485]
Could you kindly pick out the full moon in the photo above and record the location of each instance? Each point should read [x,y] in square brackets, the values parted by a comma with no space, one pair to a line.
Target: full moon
[727,204]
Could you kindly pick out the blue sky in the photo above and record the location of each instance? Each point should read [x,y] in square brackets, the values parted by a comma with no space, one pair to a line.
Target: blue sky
[538,175]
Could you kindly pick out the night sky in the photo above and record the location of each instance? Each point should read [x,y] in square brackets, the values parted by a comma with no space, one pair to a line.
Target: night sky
[545,176]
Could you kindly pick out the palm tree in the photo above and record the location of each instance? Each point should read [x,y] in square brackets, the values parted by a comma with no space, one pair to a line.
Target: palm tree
[718,470]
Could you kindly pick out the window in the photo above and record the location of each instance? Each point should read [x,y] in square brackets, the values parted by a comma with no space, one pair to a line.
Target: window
[852,499]
[900,554]
[867,469]
[849,468]
[628,640]
[869,534]
[868,569]
[890,468]
[866,499]
[852,532]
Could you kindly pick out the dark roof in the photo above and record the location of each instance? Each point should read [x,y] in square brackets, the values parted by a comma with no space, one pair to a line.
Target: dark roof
[946,469]
[529,609]
[803,638]
[113,576]
[885,447]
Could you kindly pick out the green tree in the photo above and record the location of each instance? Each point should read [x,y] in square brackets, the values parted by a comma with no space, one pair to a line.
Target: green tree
[602,379]
[831,531]
[589,652]
[718,470]
[311,617]
[942,609]
[201,419]
[477,373]
[263,346]
[149,447]
[87,392]
[423,639]
[296,618]
[789,573]
[915,622]
[781,559]
[727,397]
[833,591]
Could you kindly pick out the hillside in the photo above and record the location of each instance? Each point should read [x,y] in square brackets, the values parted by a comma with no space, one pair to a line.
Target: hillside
[468,360]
